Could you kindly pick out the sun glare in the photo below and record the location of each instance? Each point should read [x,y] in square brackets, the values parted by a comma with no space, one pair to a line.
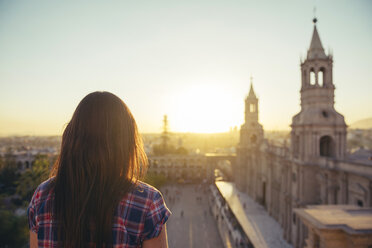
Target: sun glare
[204,109]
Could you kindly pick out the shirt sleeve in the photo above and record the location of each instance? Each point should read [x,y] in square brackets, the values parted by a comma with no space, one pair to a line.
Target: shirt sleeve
[31,212]
[156,217]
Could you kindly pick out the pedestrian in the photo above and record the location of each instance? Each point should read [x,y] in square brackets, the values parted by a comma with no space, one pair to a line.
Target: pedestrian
[94,190]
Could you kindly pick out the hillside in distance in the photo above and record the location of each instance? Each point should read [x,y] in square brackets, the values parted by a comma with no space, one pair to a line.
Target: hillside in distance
[362,124]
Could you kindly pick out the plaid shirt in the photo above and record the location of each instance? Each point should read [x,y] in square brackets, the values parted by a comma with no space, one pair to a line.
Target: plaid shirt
[139,216]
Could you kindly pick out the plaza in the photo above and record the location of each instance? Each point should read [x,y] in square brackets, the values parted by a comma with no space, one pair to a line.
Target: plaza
[197,227]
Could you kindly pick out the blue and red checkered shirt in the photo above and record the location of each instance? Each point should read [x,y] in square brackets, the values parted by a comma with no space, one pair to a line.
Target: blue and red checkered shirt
[139,216]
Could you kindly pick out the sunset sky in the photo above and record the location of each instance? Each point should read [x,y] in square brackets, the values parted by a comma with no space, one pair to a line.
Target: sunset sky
[191,60]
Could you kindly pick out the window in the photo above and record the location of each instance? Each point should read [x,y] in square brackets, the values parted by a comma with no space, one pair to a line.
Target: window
[312,77]
[326,146]
[360,203]
[321,77]
[252,108]
[325,114]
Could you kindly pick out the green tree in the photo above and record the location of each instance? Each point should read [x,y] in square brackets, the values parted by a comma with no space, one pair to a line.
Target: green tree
[8,175]
[13,230]
[1,162]
[155,180]
[31,178]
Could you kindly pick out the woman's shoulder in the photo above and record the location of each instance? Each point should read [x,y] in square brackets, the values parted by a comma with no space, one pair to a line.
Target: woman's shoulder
[142,196]
[144,211]
[41,201]
[43,191]
[46,184]
[144,190]
[145,187]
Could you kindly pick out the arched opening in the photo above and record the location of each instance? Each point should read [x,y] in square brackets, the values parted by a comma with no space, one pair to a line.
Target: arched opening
[312,77]
[321,77]
[359,203]
[253,139]
[326,146]
[252,108]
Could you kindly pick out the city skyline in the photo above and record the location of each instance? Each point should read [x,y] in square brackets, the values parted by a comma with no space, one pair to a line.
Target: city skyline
[197,57]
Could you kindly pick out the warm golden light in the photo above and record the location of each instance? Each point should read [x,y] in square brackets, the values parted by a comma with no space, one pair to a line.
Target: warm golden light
[205,108]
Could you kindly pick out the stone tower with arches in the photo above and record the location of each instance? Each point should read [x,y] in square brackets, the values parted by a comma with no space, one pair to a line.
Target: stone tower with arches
[251,138]
[318,130]
[251,132]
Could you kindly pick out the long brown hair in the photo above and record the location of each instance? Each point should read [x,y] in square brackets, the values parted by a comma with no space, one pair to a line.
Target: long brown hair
[101,159]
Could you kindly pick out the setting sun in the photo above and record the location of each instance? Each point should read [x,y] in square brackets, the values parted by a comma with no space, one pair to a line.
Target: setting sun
[205,108]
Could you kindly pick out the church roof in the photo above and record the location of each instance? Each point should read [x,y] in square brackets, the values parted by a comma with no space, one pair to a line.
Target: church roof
[316,50]
[251,93]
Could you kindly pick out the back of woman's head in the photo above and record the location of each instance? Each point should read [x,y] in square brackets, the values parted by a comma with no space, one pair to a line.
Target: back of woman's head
[101,158]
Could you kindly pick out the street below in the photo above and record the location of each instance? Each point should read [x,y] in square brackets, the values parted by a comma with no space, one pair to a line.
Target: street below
[191,224]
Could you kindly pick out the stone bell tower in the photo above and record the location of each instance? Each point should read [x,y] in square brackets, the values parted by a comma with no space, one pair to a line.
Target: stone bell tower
[318,130]
[251,132]
[251,138]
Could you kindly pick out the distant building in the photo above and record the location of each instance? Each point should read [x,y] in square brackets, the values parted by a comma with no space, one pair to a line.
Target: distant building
[24,160]
[194,167]
[315,168]
[177,167]
[176,164]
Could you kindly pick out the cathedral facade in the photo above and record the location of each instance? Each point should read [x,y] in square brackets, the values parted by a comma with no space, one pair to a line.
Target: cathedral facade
[314,168]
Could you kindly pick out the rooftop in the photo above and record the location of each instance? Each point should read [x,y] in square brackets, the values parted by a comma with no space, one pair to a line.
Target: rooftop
[351,219]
